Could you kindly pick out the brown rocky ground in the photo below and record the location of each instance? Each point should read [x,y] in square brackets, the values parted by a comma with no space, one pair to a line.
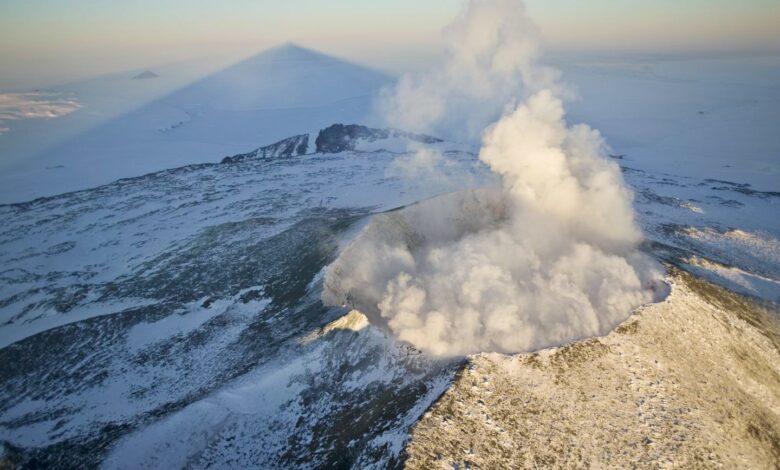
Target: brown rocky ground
[691,382]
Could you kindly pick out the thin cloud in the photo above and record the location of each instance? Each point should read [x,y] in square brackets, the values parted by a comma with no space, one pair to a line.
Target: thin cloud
[34,105]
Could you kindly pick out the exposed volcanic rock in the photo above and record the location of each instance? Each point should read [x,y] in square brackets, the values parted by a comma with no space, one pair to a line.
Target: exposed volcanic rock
[693,382]
[334,139]
[340,138]
[289,147]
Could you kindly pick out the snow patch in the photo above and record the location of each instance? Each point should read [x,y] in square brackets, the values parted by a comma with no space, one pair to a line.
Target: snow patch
[353,321]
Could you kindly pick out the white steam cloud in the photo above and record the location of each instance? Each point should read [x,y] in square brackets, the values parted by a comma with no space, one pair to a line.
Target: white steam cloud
[490,63]
[549,257]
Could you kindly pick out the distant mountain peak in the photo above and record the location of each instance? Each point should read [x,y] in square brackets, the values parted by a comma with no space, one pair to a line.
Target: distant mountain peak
[287,76]
[145,75]
[291,47]
[292,52]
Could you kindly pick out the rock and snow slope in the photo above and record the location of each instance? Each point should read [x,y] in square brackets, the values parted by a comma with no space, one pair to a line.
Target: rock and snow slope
[692,382]
[174,319]
[168,318]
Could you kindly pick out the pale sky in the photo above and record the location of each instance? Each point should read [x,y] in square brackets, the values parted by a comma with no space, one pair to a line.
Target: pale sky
[48,40]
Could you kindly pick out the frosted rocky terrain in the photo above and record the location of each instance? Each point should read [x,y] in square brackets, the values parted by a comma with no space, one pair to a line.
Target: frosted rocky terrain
[174,319]
[190,298]
[691,382]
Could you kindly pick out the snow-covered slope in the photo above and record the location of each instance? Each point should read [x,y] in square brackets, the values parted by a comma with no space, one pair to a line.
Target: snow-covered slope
[174,319]
[711,117]
[190,299]
[101,100]
[283,91]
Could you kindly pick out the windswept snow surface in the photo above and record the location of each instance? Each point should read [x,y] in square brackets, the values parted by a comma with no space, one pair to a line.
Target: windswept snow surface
[283,91]
[709,118]
[100,100]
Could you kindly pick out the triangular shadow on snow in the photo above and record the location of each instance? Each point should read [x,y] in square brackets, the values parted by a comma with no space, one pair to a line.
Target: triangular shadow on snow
[282,91]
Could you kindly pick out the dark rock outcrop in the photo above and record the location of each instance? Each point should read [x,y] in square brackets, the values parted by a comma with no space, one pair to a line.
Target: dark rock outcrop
[334,139]
[289,147]
[340,138]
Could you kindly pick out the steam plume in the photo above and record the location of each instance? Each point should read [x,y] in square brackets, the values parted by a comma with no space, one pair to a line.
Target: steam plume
[490,62]
[549,257]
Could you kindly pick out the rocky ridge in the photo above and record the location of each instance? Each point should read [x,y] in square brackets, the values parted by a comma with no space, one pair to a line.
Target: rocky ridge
[691,382]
